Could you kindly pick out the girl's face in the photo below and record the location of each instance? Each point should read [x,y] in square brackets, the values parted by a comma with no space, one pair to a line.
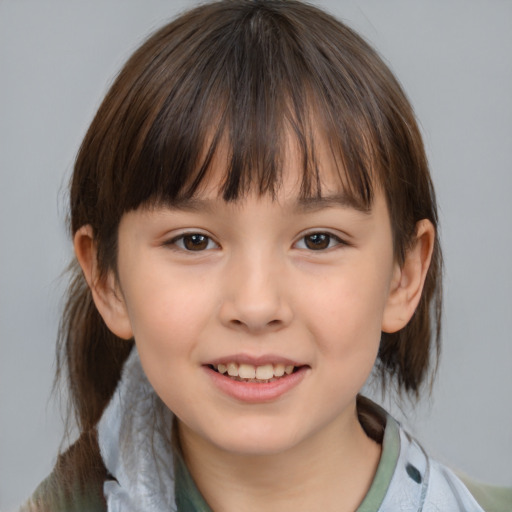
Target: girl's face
[256,288]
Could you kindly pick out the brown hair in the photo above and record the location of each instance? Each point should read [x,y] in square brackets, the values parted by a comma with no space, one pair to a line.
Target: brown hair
[246,72]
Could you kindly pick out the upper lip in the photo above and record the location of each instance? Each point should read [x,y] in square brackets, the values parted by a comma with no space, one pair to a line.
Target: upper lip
[255,360]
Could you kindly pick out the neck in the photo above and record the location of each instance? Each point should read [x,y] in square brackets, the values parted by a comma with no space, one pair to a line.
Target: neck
[332,470]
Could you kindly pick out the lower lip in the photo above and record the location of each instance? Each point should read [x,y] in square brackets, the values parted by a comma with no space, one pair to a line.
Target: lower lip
[253,392]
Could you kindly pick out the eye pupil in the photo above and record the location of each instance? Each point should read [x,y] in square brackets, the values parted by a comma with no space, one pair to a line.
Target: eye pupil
[195,242]
[317,241]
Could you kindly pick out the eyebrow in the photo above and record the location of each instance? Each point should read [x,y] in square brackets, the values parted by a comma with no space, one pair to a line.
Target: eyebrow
[302,205]
[191,204]
[309,204]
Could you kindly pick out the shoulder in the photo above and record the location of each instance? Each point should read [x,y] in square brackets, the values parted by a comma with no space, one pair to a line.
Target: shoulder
[435,487]
[420,482]
[445,487]
[76,482]
[490,497]
[466,493]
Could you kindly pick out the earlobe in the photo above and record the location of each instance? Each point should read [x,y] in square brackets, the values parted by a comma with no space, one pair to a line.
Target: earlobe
[104,288]
[408,279]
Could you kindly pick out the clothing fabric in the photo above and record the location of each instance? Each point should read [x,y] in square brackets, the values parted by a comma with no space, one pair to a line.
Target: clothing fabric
[146,473]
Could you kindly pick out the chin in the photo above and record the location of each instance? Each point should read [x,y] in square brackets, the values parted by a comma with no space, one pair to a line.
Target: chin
[257,447]
[258,438]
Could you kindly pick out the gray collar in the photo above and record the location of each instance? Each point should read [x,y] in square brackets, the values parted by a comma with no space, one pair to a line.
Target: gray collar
[134,447]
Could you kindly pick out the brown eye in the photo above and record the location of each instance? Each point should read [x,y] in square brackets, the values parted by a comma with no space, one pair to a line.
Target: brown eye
[194,242]
[317,241]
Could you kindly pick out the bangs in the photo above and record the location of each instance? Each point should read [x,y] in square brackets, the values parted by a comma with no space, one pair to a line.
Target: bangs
[244,84]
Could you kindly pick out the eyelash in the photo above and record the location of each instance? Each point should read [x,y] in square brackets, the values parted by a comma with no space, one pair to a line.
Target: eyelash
[181,240]
[330,237]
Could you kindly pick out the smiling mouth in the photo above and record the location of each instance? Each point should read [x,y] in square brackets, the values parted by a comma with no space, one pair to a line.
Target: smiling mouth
[256,374]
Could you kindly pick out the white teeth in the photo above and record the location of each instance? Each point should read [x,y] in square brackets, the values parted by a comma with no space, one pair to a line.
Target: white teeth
[246,371]
[279,370]
[232,369]
[264,372]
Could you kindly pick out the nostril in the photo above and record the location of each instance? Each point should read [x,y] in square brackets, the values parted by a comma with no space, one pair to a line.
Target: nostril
[272,324]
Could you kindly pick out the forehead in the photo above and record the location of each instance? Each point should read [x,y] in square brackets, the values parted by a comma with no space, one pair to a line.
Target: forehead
[308,177]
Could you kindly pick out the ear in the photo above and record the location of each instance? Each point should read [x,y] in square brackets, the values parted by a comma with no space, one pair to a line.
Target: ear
[105,291]
[408,279]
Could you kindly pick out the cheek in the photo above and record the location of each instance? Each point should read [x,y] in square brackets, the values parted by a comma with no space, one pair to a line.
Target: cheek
[345,317]
[348,340]
[166,314]
[352,304]
[168,323]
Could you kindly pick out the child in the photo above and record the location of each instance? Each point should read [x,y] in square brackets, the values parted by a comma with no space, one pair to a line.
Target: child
[256,228]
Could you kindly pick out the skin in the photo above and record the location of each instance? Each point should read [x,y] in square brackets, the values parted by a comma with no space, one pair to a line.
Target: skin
[256,288]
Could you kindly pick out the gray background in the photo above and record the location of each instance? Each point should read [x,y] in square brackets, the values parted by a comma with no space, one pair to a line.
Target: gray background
[455,61]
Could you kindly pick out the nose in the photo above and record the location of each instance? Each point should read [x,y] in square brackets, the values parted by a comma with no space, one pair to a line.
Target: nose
[254,298]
